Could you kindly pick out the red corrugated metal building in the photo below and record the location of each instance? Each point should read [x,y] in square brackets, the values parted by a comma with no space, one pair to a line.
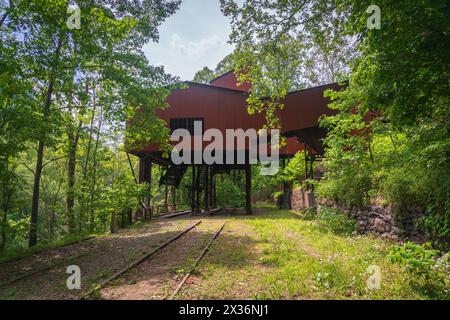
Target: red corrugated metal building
[221,104]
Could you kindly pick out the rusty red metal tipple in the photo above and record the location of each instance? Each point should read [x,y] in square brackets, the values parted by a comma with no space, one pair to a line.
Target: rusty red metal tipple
[221,105]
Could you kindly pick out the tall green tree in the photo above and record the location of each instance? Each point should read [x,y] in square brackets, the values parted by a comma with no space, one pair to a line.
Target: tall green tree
[205,75]
[287,45]
[396,98]
[402,76]
[65,68]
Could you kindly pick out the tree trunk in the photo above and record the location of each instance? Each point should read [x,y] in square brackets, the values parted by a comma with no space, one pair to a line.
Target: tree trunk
[32,241]
[248,189]
[113,222]
[4,219]
[197,190]
[166,195]
[73,135]
[70,197]
[213,191]
[174,198]
[86,162]
[2,245]
[193,190]
[206,189]
[94,173]
[7,193]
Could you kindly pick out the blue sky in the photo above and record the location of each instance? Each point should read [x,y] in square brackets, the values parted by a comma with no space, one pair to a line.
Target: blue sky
[194,37]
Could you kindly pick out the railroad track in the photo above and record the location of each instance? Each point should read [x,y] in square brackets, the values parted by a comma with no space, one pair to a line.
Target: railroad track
[195,264]
[46,250]
[41,271]
[153,252]
[172,214]
[38,272]
[138,261]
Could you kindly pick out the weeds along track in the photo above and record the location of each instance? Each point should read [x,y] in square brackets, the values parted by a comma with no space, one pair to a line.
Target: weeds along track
[110,260]
[51,253]
[37,272]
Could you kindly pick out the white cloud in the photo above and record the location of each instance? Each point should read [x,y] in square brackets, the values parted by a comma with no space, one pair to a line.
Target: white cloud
[197,49]
[194,37]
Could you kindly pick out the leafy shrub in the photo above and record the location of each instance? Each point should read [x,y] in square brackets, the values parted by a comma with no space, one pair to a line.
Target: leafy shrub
[278,198]
[229,195]
[309,213]
[335,221]
[404,169]
[16,231]
[429,273]
[413,185]
[438,228]
[295,169]
[416,258]
[350,185]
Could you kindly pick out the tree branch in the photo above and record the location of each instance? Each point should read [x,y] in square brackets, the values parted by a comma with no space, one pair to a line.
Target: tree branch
[50,161]
[7,11]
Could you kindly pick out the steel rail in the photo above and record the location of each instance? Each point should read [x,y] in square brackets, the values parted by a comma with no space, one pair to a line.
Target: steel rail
[46,250]
[197,261]
[138,261]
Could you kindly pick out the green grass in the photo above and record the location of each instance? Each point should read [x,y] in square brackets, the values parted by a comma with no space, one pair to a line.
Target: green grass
[283,256]
[309,261]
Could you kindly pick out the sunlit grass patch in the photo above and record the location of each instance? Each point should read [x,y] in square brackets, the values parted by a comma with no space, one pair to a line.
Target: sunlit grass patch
[279,255]
[312,262]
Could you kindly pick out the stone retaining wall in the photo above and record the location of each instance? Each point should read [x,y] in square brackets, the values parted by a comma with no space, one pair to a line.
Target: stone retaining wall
[384,221]
[301,199]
